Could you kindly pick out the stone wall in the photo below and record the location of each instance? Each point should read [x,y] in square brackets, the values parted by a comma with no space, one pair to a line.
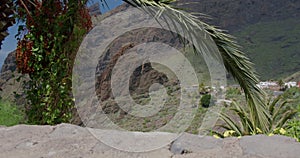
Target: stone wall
[69,141]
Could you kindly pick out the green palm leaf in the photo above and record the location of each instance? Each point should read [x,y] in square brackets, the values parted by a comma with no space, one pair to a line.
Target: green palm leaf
[234,60]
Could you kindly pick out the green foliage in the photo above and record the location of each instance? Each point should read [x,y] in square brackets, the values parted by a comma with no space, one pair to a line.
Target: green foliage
[241,121]
[49,95]
[293,94]
[293,77]
[233,92]
[9,114]
[234,60]
[293,126]
[282,116]
[197,121]
[293,97]
[279,112]
[273,47]
[50,80]
[55,31]
[205,100]
[293,129]
[281,84]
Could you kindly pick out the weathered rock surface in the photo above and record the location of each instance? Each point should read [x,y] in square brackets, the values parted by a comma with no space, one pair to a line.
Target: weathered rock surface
[11,81]
[9,63]
[61,141]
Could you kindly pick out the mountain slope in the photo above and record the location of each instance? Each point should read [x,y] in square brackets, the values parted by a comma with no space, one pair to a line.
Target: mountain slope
[234,14]
[273,46]
[268,31]
[293,77]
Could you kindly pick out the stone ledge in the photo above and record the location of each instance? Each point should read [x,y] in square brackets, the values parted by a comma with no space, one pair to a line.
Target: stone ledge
[65,140]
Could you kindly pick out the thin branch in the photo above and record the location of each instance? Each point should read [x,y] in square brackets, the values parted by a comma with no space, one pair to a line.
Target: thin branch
[28,12]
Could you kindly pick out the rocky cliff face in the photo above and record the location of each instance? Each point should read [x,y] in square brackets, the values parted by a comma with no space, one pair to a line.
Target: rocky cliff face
[9,63]
[144,76]
[9,81]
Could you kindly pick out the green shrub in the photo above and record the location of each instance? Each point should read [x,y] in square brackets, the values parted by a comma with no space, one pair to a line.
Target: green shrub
[205,100]
[9,114]
[293,129]
[233,92]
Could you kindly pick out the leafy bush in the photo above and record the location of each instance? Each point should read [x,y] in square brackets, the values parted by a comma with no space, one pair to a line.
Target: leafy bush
[205,100]
[47,53]
[293,129]
[9,114]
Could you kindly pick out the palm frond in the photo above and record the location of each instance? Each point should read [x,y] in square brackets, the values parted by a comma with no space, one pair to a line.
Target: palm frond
[246,125]
[279,113]
[284,118]
[234,60]
[279,109]
[242,70]
[272,104]
[231,124]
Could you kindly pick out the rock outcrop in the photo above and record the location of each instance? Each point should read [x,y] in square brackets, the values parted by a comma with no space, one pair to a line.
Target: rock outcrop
[71,141]
[9,63]
[11,81]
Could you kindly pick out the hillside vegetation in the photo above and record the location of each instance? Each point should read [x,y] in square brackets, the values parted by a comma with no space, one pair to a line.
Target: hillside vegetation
[274,47]
[293,77]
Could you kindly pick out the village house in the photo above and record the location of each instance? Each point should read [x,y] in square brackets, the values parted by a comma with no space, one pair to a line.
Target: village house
[269,85]
[272,85]
[290,84]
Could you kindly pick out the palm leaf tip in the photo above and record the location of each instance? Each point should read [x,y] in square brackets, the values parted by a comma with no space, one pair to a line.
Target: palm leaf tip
[235,61]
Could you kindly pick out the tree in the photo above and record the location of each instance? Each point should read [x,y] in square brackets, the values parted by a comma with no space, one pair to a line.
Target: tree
[46,50]
[234,60]
[281,84]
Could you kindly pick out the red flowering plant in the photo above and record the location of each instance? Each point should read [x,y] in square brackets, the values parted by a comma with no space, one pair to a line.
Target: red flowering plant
[52,34]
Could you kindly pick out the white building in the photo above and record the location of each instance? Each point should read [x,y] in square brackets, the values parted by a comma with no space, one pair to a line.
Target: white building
[290,84]
[267,84]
